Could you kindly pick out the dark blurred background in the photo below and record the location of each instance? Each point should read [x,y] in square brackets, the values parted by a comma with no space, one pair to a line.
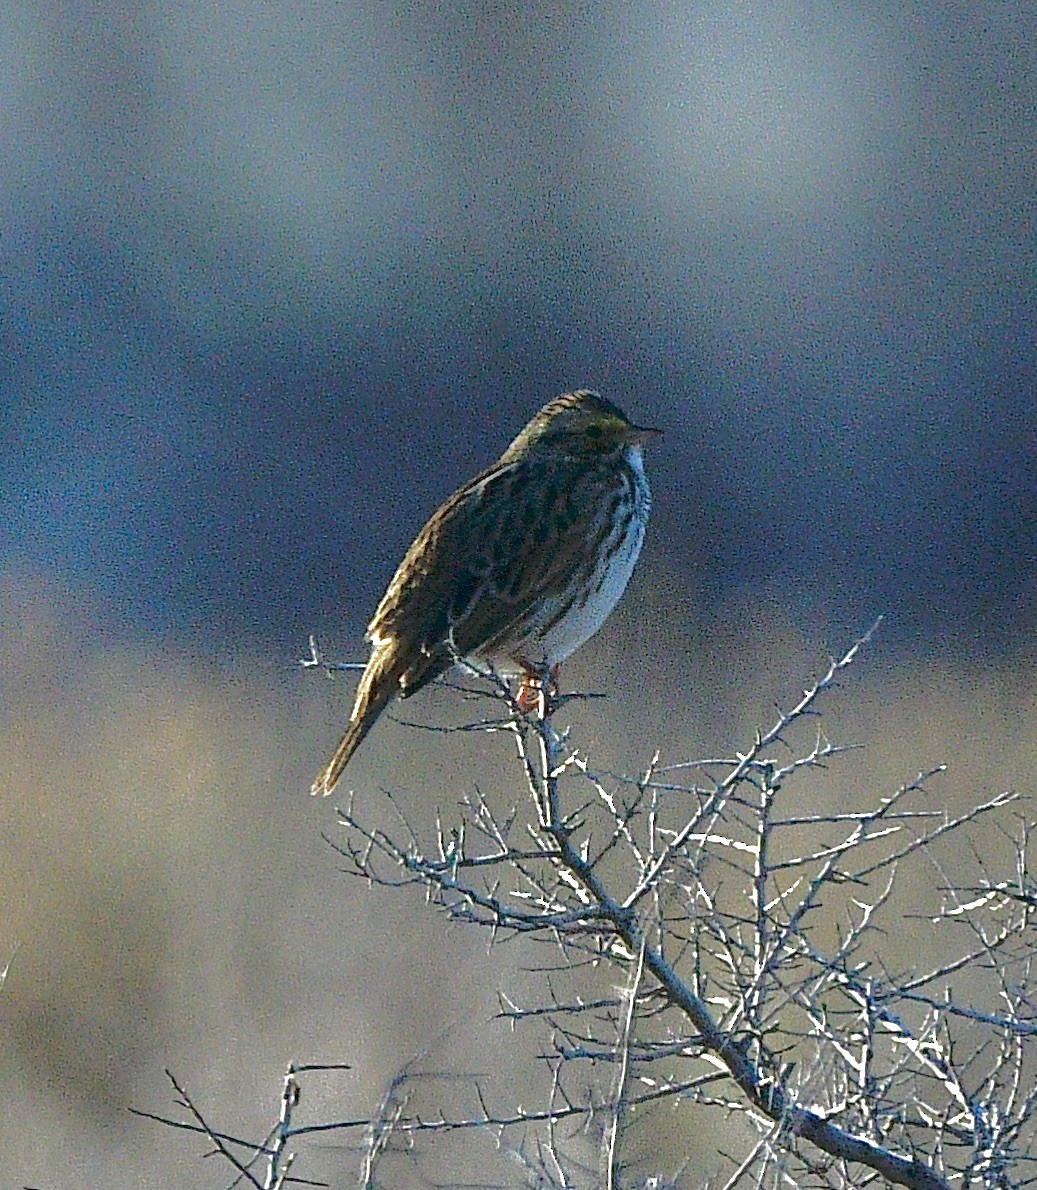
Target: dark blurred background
[274,279]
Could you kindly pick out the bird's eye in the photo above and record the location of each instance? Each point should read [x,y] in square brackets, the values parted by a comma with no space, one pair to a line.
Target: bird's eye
[594,432]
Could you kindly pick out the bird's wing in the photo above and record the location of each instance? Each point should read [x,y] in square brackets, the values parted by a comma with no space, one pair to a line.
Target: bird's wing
[483,560]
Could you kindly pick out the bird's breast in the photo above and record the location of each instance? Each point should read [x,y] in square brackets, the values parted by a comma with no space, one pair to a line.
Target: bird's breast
[565,620]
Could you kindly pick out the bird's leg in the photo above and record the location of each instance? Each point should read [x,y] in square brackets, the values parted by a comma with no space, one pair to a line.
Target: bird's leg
[538,688]
[528,694]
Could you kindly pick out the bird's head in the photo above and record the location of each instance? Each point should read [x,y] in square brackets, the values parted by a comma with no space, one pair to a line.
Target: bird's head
[579,424]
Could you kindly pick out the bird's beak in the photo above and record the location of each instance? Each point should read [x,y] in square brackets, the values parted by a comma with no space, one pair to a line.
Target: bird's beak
[642,435]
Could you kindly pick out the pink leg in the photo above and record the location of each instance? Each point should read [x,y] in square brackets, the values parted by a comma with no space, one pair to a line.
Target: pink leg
[531,687]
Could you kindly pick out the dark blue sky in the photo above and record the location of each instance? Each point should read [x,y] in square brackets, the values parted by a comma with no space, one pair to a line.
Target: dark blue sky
[275,280]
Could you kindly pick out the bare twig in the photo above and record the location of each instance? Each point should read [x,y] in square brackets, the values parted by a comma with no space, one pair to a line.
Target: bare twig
[717,947]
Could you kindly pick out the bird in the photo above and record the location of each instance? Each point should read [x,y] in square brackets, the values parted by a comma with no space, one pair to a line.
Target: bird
[515,570]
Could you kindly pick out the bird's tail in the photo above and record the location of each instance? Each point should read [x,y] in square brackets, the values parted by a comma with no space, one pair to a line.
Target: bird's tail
[379,682]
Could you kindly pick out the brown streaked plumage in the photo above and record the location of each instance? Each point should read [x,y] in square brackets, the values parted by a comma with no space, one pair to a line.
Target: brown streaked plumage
[518,567]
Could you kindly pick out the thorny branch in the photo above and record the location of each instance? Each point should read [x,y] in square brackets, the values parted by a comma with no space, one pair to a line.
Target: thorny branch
[748,943]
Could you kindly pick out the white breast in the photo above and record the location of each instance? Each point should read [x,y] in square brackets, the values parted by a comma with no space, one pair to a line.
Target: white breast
[563,638]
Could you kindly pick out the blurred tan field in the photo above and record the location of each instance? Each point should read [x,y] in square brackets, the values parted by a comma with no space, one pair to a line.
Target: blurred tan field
[168,901]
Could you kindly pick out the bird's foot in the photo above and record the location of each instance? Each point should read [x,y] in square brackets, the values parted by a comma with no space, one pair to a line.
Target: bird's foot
[538,690]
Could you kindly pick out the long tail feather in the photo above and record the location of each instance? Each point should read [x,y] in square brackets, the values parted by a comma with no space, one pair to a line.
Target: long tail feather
[380,681]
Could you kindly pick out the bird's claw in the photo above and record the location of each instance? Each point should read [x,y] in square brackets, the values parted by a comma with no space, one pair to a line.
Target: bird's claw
[538,691]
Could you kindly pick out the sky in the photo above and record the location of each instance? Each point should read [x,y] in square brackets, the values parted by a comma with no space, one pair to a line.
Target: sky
[274,279]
